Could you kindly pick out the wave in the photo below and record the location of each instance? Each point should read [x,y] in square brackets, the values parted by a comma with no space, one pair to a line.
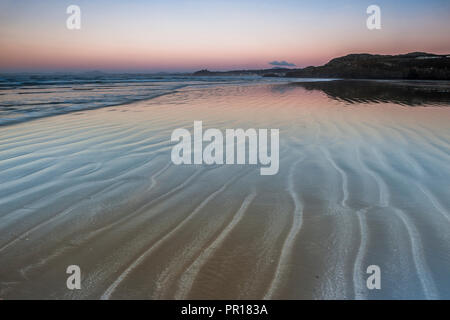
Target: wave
[29,97]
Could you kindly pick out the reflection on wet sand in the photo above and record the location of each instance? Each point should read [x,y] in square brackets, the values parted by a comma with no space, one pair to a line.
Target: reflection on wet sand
[410,93]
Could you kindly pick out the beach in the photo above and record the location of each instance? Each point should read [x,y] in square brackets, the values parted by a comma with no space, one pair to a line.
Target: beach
[362,181]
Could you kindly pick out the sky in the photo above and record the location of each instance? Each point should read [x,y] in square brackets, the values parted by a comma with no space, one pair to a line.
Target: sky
[175,35]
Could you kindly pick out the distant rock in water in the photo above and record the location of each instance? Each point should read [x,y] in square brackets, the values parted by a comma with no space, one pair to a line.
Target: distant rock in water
[414,66]
[273,72]
[203,72]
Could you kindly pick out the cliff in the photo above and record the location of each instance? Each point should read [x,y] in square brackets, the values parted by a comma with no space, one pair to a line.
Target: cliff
[414,66]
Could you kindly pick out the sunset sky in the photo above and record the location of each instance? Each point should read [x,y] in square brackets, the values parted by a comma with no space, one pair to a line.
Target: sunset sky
[168,35]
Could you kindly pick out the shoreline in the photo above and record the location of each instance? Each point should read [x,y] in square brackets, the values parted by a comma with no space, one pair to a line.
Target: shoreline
[431,85]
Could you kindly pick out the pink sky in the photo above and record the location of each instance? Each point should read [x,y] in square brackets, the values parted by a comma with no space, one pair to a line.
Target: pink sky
[167,38]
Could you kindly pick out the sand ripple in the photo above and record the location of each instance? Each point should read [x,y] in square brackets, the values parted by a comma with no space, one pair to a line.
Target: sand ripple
[360,183]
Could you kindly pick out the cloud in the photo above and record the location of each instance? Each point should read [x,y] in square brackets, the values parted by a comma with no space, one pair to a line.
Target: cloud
[282,64]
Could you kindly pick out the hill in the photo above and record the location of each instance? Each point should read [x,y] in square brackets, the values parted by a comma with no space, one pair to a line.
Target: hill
[413,66]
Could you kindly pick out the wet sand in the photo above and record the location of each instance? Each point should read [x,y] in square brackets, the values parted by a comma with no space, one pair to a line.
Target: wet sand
[359,184]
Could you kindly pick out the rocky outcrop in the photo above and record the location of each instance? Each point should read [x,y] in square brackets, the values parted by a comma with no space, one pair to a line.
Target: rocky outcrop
[416,65]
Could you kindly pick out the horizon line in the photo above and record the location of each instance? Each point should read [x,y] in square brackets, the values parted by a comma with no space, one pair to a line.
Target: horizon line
[190,71]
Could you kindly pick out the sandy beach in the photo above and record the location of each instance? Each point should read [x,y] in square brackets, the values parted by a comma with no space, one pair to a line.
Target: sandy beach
[361,182]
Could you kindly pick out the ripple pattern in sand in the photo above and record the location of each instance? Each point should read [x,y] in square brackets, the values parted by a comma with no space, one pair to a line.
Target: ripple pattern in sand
[358,185]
